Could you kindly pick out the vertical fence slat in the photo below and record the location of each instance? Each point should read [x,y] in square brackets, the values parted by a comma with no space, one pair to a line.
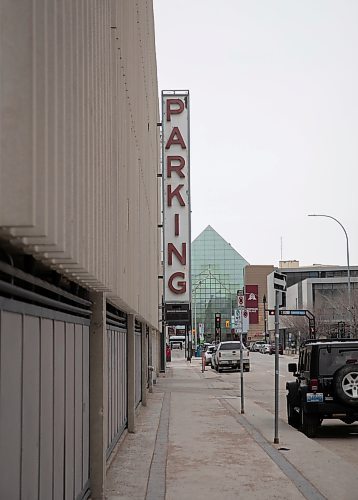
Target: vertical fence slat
[10,415]
[59,409]
[85,435]
[30,408]
[46,410]
[78,407]
[69,412]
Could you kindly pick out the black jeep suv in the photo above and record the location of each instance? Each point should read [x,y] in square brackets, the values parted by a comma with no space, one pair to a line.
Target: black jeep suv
[326,384]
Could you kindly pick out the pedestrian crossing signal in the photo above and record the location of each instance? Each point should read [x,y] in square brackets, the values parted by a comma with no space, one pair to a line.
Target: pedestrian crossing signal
[227,323]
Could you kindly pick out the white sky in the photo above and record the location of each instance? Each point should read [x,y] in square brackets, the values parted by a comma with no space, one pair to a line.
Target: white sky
[274,121]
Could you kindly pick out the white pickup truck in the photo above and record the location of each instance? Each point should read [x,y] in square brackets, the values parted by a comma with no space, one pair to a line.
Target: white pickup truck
[227,355]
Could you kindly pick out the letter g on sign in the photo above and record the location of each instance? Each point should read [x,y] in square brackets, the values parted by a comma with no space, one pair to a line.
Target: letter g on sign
[180,285]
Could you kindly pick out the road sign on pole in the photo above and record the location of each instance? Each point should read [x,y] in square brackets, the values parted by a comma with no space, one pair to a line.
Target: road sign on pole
[279,281]
[280,286]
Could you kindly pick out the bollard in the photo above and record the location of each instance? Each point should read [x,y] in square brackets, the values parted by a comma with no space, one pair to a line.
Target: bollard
[150,381]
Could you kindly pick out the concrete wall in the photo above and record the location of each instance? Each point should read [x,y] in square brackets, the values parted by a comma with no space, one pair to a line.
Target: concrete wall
[79,143]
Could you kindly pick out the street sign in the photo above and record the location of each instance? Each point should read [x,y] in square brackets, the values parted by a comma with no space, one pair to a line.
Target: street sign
[241,300]
[241,320]
[288,312]
[293,312]
[279,281]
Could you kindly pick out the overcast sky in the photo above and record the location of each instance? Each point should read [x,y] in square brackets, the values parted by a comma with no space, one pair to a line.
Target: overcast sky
[274,121]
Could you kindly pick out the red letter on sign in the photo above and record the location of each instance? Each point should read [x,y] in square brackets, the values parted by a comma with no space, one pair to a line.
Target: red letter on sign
[176,193]
[181,284]
[176,224]
[175,168]
[172,250]
[174,111]
[175,138]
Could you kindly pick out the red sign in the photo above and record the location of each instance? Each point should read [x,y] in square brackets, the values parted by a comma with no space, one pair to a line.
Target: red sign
[252,302]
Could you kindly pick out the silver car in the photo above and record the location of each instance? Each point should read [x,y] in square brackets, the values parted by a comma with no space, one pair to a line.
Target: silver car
[265,348]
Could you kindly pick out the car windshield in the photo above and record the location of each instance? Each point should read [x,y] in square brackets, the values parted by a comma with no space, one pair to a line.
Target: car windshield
[230,346]
[210,349]
[332,358]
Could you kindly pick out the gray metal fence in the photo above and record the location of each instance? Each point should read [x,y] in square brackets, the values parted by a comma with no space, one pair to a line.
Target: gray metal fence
[117,379]
[44,401]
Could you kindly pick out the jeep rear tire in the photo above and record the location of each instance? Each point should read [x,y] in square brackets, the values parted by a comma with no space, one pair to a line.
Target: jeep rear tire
[345,384]
[293,417]
[309,423]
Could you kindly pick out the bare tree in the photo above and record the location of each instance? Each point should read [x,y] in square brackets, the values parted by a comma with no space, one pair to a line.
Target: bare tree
[332,316]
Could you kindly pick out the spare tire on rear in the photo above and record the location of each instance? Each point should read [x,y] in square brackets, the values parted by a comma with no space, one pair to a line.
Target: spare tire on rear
[345,384]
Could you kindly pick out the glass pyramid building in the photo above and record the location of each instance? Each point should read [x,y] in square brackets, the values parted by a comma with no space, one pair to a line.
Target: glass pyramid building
[216,275]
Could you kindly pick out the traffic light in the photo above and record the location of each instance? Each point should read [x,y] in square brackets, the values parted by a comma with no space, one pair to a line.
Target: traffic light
[217,320]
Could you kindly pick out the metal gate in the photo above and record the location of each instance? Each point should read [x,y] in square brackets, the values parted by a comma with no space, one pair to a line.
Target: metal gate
[138,362]
[44,391]
[117,376]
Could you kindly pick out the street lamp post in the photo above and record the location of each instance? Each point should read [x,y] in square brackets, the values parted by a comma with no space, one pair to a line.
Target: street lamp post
[348,268]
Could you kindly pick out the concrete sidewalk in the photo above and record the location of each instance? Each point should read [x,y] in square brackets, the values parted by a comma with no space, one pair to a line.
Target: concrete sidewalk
[193,443]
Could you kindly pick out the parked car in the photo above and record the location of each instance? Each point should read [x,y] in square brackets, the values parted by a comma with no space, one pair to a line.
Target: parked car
[208,354]
[227,355]
[255,347]
[273,349]
[265,348]
[325,385]
[168,353]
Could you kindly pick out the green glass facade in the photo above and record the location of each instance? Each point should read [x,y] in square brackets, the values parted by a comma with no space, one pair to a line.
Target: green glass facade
[216,275]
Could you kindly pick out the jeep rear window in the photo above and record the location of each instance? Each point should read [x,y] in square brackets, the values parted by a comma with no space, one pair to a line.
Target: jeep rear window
[230,346]
[332,358]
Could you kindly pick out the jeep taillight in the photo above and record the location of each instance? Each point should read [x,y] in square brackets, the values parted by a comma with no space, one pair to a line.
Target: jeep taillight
[314,385]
